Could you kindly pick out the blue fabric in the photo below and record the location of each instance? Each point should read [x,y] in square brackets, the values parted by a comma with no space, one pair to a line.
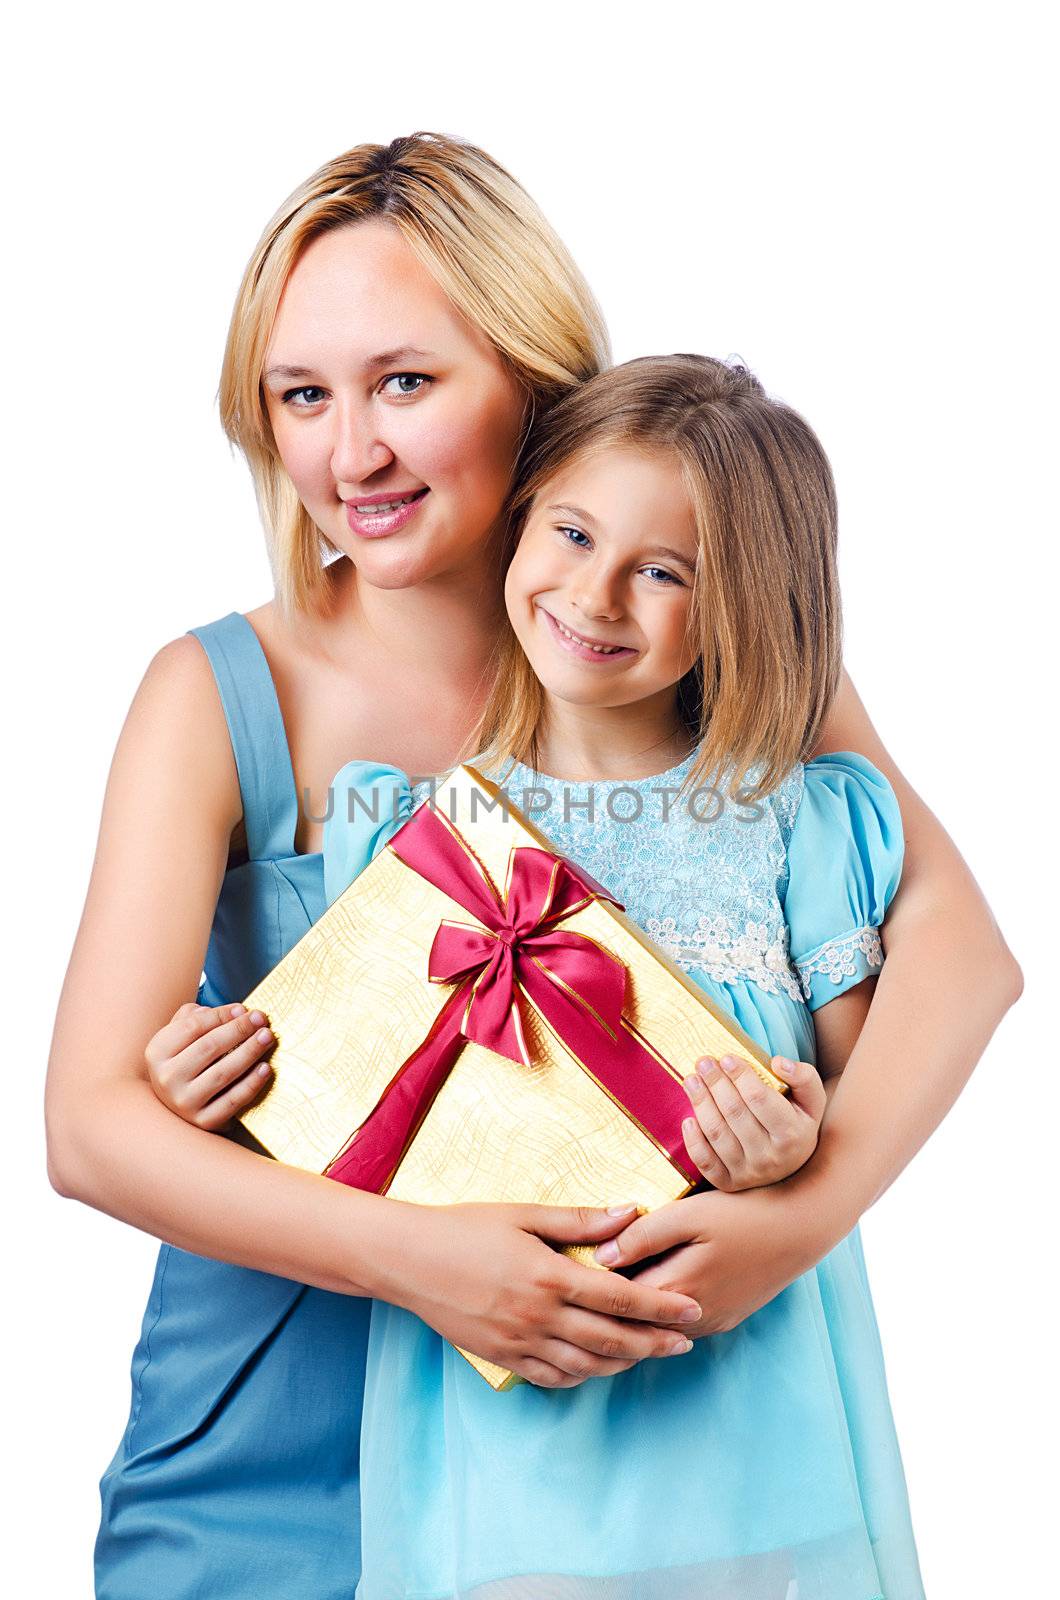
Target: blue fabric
[237,1475]
[848,842]
[764,1464]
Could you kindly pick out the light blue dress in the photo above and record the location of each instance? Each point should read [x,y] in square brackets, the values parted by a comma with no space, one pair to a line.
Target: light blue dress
[237,1475]
[764,1464]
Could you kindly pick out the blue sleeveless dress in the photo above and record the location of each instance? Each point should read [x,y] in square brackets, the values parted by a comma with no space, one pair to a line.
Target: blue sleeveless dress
[764,1464]
[237,1475]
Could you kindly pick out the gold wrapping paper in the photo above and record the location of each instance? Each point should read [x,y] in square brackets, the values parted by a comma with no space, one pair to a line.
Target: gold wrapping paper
[352,1001]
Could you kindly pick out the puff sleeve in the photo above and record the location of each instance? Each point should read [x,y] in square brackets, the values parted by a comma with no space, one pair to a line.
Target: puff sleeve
[844,865]
[370,801]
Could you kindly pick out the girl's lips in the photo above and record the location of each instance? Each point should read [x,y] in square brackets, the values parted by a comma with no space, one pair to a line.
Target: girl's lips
[376,527]
[583,652]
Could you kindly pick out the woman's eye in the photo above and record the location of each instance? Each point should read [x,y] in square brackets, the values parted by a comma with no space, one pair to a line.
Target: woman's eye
[574,535]
[660,575]
[311,396]
[407,383]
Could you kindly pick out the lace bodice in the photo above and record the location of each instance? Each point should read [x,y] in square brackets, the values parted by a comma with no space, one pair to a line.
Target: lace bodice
[786,894]
[702,876]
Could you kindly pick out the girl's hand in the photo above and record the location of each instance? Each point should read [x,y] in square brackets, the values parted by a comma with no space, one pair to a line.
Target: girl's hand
[745,1133]
[732,1253]
[486,1278]
[206,1063]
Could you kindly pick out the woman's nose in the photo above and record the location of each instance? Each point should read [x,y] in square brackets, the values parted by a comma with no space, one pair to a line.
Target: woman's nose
[357,450]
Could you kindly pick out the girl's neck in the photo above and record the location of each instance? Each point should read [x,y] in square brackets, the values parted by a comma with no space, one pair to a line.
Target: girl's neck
[588,743]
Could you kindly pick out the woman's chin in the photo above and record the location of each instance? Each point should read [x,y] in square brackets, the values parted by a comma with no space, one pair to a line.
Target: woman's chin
[395,568]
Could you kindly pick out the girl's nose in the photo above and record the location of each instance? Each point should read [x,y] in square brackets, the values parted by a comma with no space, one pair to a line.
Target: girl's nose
[597,595]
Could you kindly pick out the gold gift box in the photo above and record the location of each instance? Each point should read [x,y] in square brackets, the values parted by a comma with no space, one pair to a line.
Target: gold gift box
[352,1001]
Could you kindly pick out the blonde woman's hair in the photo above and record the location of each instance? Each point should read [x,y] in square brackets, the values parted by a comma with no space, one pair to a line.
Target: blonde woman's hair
[482,238]
[765,620]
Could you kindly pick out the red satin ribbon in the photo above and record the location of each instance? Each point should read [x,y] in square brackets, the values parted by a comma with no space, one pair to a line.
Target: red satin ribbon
[576,985]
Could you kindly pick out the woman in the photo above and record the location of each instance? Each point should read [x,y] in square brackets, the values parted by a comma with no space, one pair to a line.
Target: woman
[400,320]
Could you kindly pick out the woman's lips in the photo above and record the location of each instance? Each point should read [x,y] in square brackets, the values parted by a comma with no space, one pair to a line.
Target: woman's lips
[370,526]
[584,652]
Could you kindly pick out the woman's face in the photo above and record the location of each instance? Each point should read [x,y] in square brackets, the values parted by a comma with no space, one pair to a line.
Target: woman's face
[607,559]
[397,421]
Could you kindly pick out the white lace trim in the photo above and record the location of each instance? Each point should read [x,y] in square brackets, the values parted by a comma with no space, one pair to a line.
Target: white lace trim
[758,954]
[838,959]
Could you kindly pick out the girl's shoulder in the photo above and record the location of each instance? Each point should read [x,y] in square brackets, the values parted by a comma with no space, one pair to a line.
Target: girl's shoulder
[845,851]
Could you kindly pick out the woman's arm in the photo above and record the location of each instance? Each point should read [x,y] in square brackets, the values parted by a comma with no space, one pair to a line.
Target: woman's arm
[483,1278]
[171,803]
[948,979]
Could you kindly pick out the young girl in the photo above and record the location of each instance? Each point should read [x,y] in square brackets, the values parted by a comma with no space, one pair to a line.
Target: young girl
[675,646]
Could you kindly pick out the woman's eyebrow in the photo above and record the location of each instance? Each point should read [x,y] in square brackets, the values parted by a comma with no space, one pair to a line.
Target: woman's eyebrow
[385,358]
[390,358]
[287,372]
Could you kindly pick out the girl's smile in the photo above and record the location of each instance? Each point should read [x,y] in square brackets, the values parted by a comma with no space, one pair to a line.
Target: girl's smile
[580,645]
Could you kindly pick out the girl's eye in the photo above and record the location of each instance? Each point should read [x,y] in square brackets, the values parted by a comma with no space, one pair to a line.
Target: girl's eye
[573,535]
[407,383]
[661,575]
[312,396]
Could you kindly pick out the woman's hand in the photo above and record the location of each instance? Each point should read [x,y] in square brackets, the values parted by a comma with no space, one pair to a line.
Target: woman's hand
[485,1278]
[744,1133]
[205,1064]
[732,1253]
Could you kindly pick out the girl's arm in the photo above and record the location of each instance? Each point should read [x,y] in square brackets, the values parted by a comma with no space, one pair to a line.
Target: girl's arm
[482,1276]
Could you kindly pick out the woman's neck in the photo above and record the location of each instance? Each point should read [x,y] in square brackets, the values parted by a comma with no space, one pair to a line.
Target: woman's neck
[446,628]
[590,743]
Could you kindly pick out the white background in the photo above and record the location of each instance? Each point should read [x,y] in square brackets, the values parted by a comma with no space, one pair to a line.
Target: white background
[854,200]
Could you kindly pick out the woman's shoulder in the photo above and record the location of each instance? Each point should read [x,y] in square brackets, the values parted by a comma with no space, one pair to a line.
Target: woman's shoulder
[177,717]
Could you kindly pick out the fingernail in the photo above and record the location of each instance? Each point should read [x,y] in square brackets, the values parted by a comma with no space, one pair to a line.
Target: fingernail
[264,1035]
[693,1314]
[620,1211]
[607,1253]
[783,1063]
[681,1349]
[264,1070]
[706,1065]
[730,1063]
[256,1017]
[236,1011]
[694,1087]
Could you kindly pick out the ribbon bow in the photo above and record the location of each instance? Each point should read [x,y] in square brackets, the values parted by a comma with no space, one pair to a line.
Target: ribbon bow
[515,948]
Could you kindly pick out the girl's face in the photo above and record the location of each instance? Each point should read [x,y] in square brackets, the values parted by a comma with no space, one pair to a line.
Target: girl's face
[601,583]
[397,422]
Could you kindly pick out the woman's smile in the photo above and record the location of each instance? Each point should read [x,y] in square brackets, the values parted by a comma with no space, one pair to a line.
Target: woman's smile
[373,516]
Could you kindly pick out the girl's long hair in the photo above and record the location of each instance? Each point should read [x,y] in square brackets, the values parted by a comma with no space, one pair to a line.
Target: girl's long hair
[765,619]
[482,238]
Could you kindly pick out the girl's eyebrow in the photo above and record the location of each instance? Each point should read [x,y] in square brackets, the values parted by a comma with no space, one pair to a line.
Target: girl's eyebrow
[576,511]
[656,550]
[673,555]
[385,358]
